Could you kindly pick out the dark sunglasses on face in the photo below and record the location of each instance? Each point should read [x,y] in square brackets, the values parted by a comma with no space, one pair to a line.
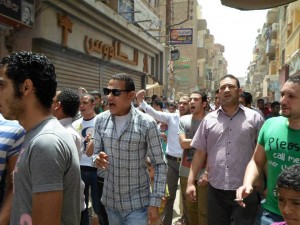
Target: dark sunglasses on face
[115,92]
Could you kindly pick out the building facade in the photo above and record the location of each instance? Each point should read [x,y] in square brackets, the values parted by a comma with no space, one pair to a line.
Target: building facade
[88,40]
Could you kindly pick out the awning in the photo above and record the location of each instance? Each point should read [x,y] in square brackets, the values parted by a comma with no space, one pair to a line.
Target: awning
[151,86]
[255,4]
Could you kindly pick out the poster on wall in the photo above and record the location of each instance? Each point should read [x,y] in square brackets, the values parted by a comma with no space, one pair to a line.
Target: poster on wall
[181,36]
[17,12]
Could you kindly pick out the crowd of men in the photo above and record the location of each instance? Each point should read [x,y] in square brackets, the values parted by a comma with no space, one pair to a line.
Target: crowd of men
[61,147]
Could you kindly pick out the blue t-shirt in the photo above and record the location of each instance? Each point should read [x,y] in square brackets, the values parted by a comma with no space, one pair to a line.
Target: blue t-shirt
[11,138]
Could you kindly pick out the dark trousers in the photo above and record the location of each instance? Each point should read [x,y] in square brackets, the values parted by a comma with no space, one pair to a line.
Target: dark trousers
[89,177]
[172,181]
[221,207]
[103,220]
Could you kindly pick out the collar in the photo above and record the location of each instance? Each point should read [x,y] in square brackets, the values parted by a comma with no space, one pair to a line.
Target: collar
[240,107]
[66,121]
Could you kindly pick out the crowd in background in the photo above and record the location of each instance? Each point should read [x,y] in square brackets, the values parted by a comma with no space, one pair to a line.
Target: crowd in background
[125,153]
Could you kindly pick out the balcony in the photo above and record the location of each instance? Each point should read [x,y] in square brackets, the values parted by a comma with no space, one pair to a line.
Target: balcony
[271,16]
[201,53]
[270,49]
[202,25]
[274,30]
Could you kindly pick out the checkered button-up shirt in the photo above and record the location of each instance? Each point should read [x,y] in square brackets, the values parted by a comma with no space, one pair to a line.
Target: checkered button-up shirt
[127,183]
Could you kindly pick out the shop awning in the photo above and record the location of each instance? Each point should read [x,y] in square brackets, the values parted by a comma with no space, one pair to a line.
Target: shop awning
[254,4]
[151,86]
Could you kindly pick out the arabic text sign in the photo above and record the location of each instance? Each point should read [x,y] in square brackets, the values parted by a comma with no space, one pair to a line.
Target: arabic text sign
[181,36]
[109,51]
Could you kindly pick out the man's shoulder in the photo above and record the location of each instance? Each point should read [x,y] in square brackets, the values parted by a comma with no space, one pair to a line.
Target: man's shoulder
[70,128]
[185,118]
[52,130]
[78,121]
[11,125]
[253,112]
[278,121]
[103,116]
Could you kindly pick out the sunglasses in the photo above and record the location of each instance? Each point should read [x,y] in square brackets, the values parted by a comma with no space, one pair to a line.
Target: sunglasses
[115,92]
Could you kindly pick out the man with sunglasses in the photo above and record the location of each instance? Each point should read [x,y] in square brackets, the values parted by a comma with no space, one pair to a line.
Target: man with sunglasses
[124,137]
[173,150]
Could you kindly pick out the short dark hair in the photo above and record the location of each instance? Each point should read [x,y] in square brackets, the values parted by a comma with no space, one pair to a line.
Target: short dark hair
[217,91]
[91,97]
[289,178]
[247,96]
[97,93]
[36,67]
[129,83]
[203,95]
[232,77]
[275,103]
[260,100]
[154,97]
[159,103]
[70,101]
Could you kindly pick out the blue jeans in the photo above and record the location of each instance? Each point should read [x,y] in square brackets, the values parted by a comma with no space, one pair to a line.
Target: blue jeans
[139,216]
[265,217]
[89,177]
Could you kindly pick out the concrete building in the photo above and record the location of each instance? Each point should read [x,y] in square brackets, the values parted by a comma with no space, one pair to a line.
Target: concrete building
[201,62]
[87,40]
[276,53]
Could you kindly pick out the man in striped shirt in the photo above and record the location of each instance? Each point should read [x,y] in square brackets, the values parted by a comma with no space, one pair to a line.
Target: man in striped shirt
[11,138]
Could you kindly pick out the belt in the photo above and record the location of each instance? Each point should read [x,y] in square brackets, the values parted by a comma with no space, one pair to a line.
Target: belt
[173,158]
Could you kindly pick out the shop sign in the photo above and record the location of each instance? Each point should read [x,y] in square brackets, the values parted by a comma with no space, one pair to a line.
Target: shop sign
[109,51]
[182,63]
[181,36]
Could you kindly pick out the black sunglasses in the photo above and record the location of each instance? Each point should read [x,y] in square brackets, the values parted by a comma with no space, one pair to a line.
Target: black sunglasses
[115,92]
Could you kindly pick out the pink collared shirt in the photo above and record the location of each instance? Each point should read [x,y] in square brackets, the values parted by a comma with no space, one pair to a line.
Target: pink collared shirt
[229,143]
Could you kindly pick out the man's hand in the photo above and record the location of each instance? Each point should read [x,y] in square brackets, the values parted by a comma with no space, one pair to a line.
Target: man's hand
[191,192]
[241,193]
[153,215]
[101,161]
[164,136]
[140,95]
[203,180]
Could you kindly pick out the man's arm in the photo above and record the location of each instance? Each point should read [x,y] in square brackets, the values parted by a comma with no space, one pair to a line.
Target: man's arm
[159,116]
[100,158]
[197,163]
[7,199]
[47,207]
[254,169]
[185,143]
